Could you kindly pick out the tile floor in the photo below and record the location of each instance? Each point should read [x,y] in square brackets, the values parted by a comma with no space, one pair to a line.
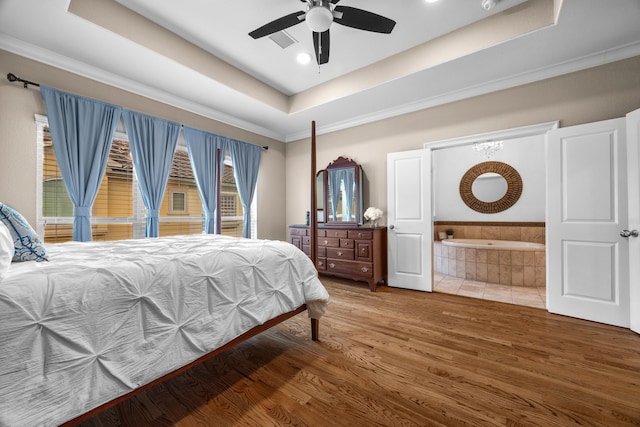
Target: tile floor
[520,295]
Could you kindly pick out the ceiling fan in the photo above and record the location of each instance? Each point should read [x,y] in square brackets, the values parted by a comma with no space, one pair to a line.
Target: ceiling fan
[319,15]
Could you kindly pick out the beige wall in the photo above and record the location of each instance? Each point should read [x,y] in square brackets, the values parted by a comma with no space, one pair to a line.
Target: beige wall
[18,137]
[595,94]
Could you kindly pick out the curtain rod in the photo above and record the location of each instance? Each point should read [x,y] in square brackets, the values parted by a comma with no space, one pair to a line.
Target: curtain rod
[13,78]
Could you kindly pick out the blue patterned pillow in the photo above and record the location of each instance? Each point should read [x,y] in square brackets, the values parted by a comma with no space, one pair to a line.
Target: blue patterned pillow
[26,242]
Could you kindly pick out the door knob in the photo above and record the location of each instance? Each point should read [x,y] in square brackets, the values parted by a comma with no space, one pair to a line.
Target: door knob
[627,233]
[391,227]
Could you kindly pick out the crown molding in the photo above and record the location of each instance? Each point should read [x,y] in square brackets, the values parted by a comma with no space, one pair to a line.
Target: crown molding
[82,69]
[555,70]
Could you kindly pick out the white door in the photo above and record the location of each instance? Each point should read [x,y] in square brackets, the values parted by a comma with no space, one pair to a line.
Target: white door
[409,220]
[587,259]
[633,165]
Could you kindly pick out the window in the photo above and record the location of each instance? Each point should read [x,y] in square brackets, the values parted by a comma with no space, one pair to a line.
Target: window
[112,209]
[181,210]
[228,205]
[118,211]
[178,202]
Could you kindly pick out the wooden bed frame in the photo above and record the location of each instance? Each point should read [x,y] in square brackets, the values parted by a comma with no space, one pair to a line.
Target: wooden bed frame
[315,324]
[250,333]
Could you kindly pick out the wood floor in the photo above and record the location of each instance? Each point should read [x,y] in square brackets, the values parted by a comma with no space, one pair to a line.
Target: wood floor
[404,358]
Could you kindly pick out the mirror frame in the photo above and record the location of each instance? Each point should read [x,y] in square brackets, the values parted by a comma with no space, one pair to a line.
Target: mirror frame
[514,187]
[344,163]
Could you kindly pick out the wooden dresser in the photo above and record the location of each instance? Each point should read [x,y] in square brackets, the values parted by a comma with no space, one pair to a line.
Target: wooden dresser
[357,253]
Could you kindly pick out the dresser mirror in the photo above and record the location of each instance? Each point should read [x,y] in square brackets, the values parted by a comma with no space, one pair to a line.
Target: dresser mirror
[320,177]
[342,192]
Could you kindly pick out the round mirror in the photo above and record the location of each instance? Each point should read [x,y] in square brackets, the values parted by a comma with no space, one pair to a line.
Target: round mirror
[494,198]
[489,187]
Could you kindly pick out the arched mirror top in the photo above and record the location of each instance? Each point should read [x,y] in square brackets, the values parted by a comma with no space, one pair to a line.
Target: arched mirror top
[478,172]
[342,192]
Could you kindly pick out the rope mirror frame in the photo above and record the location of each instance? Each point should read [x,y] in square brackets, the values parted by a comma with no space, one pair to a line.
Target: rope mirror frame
[514,187]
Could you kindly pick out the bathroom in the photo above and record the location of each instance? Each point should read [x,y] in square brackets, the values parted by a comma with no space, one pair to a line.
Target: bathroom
[488,203]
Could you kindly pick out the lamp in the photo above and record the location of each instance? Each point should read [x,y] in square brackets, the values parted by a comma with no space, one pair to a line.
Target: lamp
[488,148]
[319,19]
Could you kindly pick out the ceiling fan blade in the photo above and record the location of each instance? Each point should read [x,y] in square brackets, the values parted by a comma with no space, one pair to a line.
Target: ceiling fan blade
[278,25]
[363,20]
[321,44]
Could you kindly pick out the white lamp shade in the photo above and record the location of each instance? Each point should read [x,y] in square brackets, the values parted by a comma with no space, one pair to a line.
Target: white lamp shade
[319,19]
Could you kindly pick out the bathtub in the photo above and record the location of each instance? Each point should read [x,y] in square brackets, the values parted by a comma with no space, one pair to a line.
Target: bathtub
[492,261]
[504,245]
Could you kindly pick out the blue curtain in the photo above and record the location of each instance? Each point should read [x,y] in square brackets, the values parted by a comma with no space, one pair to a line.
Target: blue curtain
[203,148]
[246,164]
[153,144]
[82,130]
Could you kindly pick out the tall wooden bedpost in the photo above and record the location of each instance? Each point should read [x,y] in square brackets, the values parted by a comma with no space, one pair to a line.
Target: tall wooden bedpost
[313,219]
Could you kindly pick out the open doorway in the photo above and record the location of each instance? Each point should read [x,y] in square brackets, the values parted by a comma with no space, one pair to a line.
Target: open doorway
[477,265]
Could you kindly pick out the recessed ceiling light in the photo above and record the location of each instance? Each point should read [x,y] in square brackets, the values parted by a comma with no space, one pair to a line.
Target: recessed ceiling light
[430,1]
[303,58]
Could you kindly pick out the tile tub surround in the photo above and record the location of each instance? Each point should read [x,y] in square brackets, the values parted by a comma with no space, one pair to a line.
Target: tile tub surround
[533,232]
[504,267]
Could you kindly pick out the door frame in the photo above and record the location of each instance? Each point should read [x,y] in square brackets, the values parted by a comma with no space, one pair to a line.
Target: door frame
[633,183]
[503,134]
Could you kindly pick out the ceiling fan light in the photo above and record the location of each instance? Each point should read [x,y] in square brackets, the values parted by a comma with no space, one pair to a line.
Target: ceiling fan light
[319,19]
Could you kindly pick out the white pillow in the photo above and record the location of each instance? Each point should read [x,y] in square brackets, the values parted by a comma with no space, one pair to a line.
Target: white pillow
[6,250]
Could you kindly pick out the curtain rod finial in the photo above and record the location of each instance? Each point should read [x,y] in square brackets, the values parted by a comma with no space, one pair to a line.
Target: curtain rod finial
[13,78]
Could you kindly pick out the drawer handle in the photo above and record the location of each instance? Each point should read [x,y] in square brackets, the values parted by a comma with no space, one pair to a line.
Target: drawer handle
[320,263]
[359,234]
[363,250]
[332,265]
[339,253]
[326,241]
[365,269]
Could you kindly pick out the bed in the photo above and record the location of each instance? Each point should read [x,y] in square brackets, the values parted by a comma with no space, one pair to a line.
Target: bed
[102,320]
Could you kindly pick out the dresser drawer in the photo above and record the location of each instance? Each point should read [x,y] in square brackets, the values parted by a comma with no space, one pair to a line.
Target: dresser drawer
[306,249]
[340,253]
[298,231]
[360,234]
[306,240]
[346,243]
[322,264]
[362,269]
[332,242]
[296,241]
[341,234]
[363,250]
[322,251]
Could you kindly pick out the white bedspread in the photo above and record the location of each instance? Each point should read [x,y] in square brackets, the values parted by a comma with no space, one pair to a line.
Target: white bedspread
[103,318]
